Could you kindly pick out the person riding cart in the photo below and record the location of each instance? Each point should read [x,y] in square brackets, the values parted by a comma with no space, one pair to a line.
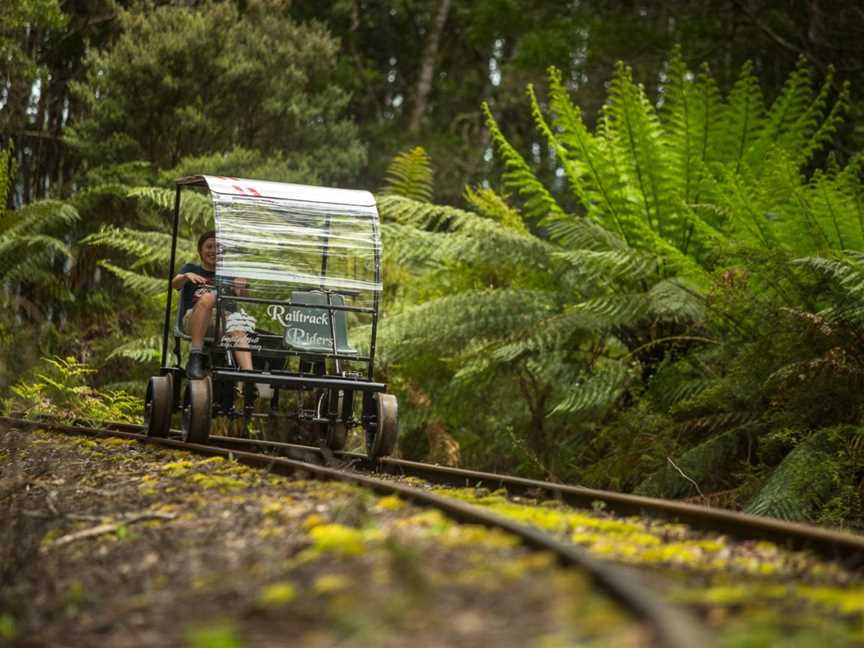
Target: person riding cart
[198,308]
[305,263]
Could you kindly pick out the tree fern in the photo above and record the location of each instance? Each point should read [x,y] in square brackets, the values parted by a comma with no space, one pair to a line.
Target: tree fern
[630,277]
[140,350]
[539,204]
[148,248]
[491,205]
[796,488]
[410,175]
[196,210]
[136,282]
[599,390]
[697,468]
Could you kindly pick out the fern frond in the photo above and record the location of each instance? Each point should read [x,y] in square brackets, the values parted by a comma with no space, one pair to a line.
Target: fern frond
[599,390]
[633,128]
[43,216]
[605,202]
[147,248]
[802,481]
[491,205]
[610,267]
[140,350]
[609,311]
[196,209]
[680,128]
[673,300]
[477,238]
[702,464]
[540,206]
[410,175]
[464,318]
[137,283]
[743,118]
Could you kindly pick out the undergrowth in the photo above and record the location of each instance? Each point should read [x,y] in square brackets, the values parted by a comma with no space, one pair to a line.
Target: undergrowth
[59,387]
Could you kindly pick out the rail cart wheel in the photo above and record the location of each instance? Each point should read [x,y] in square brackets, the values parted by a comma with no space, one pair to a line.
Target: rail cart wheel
[158,405]
[197,410]
[337,435]
[334,433]
[383,438]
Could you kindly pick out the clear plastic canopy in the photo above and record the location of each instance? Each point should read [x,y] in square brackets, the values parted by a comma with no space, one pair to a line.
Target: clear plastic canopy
[278,240]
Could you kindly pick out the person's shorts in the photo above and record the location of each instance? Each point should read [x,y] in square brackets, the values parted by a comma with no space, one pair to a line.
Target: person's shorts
[187,323]
[234,323]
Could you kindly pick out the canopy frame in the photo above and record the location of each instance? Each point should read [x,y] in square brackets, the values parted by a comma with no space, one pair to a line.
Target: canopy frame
[254,191]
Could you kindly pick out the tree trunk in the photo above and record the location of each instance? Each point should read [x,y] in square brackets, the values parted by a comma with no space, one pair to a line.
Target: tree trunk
[427,67]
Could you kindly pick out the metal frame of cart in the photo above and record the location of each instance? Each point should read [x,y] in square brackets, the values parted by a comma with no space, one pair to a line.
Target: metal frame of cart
[299,272]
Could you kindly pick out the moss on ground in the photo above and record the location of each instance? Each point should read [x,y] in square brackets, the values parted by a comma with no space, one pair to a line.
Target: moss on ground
[783,595]
[250,559]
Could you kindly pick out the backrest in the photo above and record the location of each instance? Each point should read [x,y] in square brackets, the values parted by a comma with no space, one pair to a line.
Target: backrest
[308,328]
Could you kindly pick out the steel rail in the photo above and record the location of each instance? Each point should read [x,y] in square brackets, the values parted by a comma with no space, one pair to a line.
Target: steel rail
[840,546]
[843,547]
[671,627]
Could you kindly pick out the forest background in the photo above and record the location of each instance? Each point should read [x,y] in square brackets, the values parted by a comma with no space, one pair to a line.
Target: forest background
[622,239]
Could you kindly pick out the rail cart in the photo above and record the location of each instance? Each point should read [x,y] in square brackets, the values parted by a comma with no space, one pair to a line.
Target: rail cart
[298,269]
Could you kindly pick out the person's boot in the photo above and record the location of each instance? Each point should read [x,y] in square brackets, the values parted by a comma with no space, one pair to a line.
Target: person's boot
[250,393]
[195,366]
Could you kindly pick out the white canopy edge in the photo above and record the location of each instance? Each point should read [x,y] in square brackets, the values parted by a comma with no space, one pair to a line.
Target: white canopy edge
[280,190]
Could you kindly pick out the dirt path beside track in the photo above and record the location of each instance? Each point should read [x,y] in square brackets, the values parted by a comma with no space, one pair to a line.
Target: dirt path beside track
[111,543]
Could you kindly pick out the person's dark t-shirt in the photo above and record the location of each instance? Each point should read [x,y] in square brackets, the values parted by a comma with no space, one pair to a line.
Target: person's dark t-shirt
[191,292]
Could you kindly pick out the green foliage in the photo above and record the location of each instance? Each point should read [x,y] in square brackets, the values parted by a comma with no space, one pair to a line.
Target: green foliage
[489,204]
[805,478]
[61,389]
[196,210]
[410,175]
[699,470]
[19,63]
[5,178]
[140,350]
[210,81]
[666,291]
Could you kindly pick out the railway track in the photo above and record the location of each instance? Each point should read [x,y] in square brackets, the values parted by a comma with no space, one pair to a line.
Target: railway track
[844,548]
[671,627]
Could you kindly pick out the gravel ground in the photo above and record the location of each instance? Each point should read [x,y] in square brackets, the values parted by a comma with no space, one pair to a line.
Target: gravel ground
[113,543]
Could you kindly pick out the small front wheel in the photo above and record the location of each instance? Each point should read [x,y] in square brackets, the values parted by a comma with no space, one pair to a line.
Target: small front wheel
[382,440]
[158,404]
[197,410]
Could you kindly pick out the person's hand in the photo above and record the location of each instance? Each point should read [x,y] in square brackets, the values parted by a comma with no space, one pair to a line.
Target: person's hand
[196,278]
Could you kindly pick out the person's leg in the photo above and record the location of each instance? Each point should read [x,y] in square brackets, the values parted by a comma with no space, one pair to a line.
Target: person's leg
[199,322]
[200,319]
[238,325]
[244,358]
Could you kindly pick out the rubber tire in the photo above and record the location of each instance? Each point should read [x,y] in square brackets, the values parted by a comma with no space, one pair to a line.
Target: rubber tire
[158,405]
[197,410]
[383,441]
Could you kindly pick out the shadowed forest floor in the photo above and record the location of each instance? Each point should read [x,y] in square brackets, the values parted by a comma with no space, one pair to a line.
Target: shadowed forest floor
[112,543]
